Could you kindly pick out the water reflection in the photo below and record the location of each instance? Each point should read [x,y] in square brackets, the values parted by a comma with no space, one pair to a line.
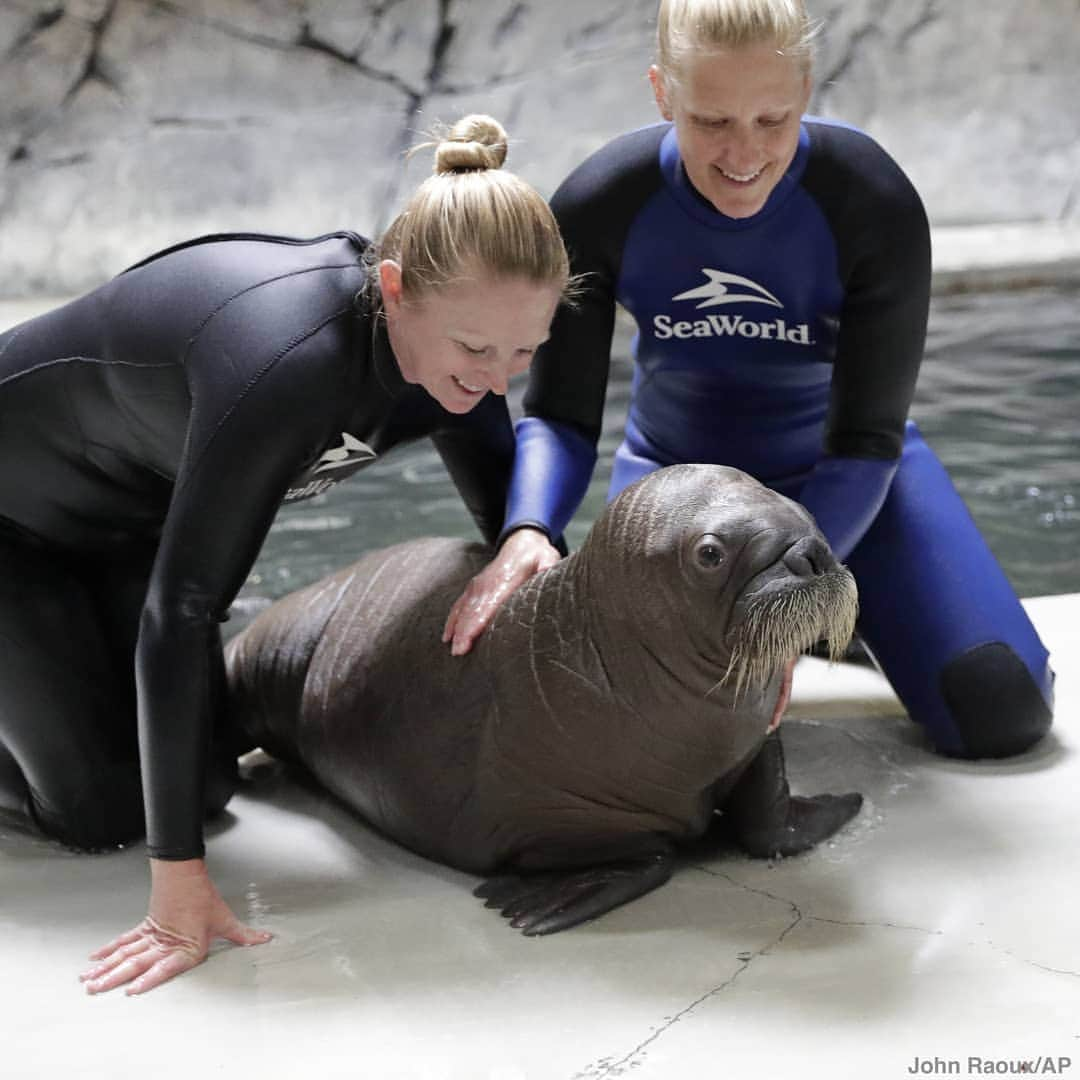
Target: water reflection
[998,398]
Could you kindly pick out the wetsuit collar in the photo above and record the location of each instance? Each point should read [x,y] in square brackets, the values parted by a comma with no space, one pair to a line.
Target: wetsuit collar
[695,204]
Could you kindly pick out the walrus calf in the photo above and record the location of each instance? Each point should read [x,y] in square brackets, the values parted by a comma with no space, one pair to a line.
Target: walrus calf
[616,702]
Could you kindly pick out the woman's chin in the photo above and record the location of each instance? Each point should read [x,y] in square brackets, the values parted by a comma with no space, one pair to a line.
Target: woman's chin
[455,399]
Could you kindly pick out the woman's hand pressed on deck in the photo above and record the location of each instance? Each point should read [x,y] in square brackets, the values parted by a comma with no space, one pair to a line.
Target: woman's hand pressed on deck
[186,914]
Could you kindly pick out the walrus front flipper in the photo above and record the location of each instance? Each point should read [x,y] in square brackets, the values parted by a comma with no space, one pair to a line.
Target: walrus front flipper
[544,903]
[767,820]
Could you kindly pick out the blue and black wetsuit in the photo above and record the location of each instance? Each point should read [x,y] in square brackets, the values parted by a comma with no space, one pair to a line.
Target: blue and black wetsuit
[149,431]
[787,344]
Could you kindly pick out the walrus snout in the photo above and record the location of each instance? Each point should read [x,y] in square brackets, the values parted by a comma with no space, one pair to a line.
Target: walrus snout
[805,597]
[781,558]
[809,557]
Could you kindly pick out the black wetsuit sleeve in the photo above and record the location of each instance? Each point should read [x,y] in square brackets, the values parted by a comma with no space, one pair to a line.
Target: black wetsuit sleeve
[884,252]
[478,452]
[884,264]
[564,403]
[595,207]
[243,449]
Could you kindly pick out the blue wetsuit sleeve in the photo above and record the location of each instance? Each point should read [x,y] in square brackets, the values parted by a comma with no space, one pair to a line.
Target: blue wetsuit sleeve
[845,495]
[883,242]
[552,470]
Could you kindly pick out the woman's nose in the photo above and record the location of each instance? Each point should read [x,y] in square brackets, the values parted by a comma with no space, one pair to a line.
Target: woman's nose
[498,378]
[741,150]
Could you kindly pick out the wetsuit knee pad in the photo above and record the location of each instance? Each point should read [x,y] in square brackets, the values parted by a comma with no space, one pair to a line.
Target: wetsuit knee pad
[997,706]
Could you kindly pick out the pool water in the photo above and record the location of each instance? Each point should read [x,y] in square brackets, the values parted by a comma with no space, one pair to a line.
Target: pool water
[998,399]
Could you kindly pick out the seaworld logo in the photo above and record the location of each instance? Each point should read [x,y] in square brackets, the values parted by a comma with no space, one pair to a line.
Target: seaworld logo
[334,465]
[724,288]
[716,291]
[337,458]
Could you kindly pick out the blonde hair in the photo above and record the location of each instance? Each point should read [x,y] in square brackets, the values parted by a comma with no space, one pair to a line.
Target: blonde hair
[688,26]
[473,215]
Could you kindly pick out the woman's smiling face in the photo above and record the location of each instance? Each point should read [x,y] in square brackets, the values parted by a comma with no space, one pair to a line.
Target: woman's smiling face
[736,114]
[464,339]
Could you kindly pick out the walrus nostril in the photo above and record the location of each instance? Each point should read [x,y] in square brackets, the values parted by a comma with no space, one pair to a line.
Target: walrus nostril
[808,557]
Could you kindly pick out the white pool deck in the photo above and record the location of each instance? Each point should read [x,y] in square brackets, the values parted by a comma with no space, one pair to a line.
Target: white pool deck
[941,924]
[937,935]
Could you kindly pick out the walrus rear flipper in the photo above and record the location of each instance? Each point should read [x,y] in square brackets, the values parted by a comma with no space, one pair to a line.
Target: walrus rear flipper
[546,902]
[767,820]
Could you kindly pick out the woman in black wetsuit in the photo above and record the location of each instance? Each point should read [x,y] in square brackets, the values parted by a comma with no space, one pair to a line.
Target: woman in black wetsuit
[150,430]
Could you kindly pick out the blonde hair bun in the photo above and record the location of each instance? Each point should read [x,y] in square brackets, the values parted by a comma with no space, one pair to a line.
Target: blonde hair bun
[474,142]
[473,217]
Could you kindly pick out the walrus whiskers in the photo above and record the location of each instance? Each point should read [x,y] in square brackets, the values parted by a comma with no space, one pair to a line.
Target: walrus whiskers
[777,627]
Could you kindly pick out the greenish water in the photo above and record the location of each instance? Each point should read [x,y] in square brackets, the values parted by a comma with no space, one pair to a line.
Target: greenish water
[998,398]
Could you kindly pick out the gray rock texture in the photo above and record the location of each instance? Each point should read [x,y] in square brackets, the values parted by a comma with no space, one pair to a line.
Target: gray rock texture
[126,125]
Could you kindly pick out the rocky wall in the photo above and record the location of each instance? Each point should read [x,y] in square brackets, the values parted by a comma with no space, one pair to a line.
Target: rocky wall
[126,125]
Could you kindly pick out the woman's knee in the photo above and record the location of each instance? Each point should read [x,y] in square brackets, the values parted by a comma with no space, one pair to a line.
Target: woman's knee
[997,707]
[103,814]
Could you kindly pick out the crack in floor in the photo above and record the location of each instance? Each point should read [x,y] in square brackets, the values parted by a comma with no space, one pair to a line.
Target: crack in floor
[875,925]
[605,1067]
[1032,963]
[609,1066]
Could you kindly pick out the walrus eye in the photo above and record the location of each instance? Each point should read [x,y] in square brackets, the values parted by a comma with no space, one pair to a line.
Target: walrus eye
[709,553]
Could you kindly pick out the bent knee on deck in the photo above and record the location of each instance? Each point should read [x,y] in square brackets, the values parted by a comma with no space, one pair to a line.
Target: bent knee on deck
[997,707]
[104,814]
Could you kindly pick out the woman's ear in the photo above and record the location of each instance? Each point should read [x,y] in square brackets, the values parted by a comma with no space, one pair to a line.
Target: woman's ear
[390,285]
[656,77]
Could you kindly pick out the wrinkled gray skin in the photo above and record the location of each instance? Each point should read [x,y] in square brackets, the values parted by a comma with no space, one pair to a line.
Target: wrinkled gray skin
[591,724]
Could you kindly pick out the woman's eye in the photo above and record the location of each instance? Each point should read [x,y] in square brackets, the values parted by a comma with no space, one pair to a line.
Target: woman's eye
[471,351]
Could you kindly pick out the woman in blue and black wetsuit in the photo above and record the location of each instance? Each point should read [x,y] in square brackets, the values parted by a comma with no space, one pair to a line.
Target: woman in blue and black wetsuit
[150,430]
[778,269]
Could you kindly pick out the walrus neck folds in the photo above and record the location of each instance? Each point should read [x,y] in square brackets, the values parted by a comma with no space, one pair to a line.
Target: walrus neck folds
[576,638]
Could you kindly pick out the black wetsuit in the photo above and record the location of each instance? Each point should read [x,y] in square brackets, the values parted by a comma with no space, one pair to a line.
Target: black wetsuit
[787,343]
[149,431]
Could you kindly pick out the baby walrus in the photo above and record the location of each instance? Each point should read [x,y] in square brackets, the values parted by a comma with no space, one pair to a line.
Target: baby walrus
[616,703]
